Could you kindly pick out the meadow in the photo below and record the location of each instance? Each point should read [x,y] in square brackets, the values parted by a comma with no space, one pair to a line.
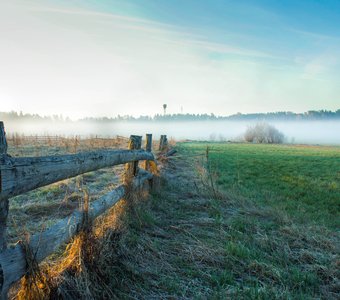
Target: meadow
[230,221]
[301,180]
[238,221]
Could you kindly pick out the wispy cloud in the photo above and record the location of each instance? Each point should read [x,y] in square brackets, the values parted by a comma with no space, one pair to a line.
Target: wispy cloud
[314,35]
[73,57]
[84,12]
[174,34]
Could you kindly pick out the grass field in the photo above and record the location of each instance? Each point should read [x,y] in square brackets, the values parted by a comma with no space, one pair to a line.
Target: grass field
[303,181]
[251,222]
[238,221]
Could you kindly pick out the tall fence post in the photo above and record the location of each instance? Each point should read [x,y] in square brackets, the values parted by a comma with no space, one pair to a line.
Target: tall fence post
[160,143]
[3,141]
[148,146]
[3,202]
[163,143]
[131,169]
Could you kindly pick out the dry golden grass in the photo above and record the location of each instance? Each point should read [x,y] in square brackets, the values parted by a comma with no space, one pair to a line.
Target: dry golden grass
[69,273]
[78,270]
[44,206]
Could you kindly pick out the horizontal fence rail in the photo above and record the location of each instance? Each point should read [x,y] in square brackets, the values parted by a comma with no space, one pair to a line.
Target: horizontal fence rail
[59,138]
[19,175]
[23,174]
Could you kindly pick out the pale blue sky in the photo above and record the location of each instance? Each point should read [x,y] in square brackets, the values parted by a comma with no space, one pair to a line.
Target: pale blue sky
[103,58]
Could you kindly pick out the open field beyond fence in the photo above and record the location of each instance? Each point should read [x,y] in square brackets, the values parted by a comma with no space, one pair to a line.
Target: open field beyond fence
[302,180]
[227,224]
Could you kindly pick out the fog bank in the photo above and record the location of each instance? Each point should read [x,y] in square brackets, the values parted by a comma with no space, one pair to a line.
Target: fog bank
[309,132]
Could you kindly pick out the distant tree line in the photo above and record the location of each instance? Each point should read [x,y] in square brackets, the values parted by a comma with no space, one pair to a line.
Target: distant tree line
[271,116]
[287,115]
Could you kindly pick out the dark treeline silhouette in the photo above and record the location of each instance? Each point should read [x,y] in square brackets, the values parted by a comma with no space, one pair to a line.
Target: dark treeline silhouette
[271,116]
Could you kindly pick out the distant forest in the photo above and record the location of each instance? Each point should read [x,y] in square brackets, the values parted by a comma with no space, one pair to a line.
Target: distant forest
[271,116]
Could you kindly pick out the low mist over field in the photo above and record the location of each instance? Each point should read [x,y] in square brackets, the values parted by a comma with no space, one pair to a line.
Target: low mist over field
[310,132]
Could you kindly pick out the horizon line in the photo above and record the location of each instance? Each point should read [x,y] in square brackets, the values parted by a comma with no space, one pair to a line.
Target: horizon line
[65,117]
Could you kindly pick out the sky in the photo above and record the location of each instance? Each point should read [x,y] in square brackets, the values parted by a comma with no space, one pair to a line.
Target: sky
[128,57]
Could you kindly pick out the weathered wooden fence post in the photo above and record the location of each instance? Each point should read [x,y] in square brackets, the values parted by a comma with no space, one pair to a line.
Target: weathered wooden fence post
[131,169]
[3,202]
[163,143]
[148,146]
[3,141]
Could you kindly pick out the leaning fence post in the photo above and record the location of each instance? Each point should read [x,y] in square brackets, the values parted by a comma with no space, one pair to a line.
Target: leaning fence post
[131,169]
[4,202]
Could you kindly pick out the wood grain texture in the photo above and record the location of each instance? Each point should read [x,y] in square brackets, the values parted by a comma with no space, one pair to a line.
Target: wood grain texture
[163,143]
[4,201]
[4,205]
[131,169]
[13,260]
[3,141]
[148,145]
[148,148]
[23,174]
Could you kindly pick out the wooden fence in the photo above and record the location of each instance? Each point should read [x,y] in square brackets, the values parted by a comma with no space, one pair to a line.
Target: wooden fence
[18,139]
[22,174]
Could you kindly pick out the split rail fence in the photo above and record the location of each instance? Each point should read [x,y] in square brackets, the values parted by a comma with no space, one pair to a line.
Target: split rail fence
[19,175]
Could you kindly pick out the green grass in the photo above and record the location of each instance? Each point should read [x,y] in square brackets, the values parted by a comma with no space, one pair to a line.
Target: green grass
[185,243]
[268,231]
[303,181]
